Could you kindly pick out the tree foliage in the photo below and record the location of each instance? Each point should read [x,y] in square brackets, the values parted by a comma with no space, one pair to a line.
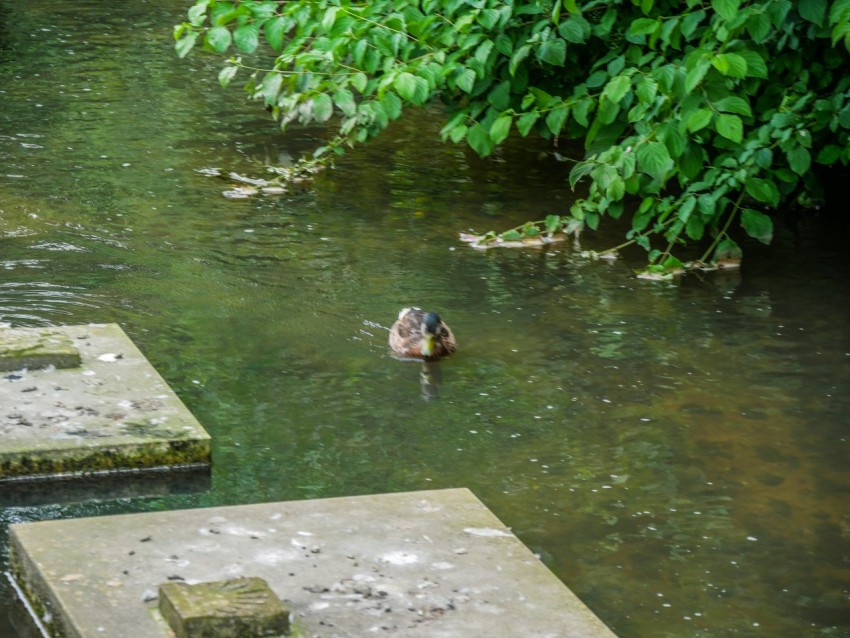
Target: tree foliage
[703,113]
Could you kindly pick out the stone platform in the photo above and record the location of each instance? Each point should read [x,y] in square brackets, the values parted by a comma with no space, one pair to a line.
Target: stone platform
[434,564]
[83,399]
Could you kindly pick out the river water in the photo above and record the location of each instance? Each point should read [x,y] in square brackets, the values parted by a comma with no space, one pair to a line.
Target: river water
[675,452]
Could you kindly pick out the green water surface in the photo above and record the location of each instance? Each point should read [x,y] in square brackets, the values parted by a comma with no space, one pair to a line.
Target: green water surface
[675,453]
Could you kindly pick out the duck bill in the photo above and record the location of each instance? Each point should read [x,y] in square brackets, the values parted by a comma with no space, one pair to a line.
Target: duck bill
[427,348]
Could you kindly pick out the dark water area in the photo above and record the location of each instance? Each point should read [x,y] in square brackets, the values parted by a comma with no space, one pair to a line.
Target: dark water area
[675,452]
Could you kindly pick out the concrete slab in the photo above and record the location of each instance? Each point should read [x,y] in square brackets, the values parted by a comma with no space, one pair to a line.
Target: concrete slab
[36,348]
[113,412]
[435,564]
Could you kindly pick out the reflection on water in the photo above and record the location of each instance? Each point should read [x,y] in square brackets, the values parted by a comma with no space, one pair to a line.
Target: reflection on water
[675,453]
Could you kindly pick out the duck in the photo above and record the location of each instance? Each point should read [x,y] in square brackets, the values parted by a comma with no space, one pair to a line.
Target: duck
[418,334]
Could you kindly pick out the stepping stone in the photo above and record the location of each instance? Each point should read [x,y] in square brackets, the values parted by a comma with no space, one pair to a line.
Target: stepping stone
[408,565]
[83,399]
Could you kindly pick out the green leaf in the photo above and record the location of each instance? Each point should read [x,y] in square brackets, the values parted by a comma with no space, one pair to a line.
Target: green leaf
[185,44]
[392,105]
[844,116]
[359,81]
[466,80]
[518,56]
[616,189]
[575,29]
[329,18]
[758,26]
[405,85]
[696,75]
[757,225]
[344,100]
[500,97]
[500,128]
[218,39]
[690,23]
[556,118]
[322,107]
[728,9]
[617,87]
[581,169]
[198,13]
[734,104]
[730,126]
[247,38]
[813,11]
[829,154]
[552,223]
[756,67]
[478,138]
[271,88]
[762,190]
[647,89]
[526,121]
[226,75]
[504,45]
[730,64]
[654,160]
[726,250]
[695,227]
[799,159]
[275,30]
[764,157]
[699,119]
[582,110]
[552,52]
[643,26]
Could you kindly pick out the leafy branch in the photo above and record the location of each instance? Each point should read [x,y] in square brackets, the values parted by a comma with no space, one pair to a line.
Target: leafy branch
[690,115]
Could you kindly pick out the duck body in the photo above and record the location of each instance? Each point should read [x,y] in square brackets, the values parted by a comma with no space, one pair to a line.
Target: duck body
[418,334]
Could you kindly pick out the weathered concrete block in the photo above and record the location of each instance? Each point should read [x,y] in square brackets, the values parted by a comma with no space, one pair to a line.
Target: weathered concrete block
[36,348]
[113,412]
[235,608]
[411,565]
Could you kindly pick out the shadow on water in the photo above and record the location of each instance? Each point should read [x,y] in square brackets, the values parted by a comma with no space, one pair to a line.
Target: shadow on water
[675,453]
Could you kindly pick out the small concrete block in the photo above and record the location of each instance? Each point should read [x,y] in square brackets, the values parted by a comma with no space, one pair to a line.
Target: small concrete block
[36,348]
[234,608]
